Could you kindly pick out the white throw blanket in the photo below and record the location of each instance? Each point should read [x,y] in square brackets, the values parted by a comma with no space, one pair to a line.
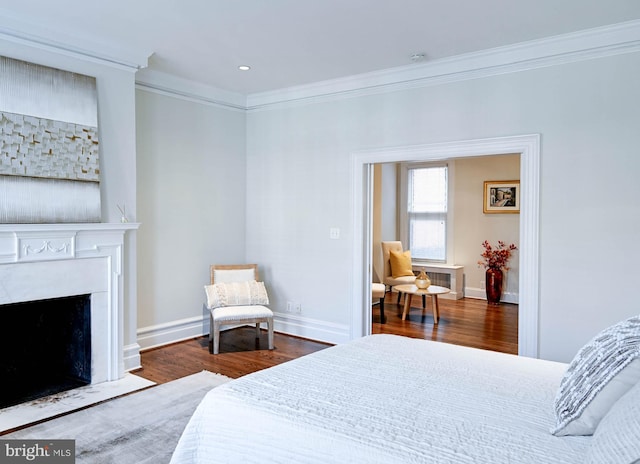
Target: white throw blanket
[385,399]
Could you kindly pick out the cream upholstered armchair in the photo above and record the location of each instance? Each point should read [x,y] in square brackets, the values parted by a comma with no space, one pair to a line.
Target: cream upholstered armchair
[235,296]
[388,279]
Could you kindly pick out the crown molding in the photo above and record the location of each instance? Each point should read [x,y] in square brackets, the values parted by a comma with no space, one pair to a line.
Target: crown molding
[551,51]
[589,44]
[15,30]
[166,84]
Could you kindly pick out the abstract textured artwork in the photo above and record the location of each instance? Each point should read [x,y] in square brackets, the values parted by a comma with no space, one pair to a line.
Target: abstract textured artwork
[49,145]
[37,147]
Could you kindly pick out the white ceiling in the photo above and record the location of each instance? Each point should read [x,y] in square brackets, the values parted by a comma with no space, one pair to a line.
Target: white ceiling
[295,42]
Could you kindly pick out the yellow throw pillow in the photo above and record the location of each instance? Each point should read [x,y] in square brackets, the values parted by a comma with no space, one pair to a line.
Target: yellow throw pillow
[400,263]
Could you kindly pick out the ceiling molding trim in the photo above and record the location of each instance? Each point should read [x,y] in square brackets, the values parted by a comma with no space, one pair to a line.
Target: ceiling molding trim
[552,51]
[127,61]
[172,86]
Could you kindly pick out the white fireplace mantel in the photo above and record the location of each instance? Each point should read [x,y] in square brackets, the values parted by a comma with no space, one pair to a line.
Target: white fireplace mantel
[42,261]
[45,242]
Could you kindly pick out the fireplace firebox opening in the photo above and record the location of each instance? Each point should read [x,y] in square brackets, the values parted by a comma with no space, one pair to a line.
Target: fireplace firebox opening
[45,348]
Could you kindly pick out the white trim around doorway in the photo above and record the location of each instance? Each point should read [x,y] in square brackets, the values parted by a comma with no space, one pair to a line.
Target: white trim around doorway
[527,146]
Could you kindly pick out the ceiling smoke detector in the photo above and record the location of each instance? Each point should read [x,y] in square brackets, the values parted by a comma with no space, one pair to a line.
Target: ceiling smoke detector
[417,57]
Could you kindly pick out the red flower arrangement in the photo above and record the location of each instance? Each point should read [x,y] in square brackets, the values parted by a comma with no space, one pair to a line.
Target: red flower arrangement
[498,257]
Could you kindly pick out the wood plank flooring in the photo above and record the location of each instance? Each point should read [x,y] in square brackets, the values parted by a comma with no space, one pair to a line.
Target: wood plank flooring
[240,354]
[465,322]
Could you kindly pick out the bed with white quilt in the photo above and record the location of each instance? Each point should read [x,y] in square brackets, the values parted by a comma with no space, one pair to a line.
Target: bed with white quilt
[391,399]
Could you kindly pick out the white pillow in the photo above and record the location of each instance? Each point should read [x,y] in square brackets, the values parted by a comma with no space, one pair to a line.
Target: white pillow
[617,438]
[236,294]
[602,371]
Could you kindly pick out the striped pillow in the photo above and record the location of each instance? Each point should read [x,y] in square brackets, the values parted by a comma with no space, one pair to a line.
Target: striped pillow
[245,293]
[602,371]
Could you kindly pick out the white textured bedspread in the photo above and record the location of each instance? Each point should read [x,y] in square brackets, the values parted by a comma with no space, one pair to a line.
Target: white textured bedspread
[385,399]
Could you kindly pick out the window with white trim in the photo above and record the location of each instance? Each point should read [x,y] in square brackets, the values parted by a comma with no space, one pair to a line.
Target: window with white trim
[426,209]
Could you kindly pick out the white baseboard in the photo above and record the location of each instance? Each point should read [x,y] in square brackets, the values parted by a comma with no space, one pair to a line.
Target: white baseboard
[313,329]
[171,332]
[481,294]
[198,326]
[131,357]
[286,323]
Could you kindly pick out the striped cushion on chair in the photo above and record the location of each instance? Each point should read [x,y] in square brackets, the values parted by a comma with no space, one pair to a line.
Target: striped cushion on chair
[236,294]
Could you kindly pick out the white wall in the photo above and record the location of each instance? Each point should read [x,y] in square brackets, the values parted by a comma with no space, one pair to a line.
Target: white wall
[191,203]
[586,112]
[116,122]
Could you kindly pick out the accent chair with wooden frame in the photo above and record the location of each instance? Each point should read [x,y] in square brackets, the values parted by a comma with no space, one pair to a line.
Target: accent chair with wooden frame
[237,313]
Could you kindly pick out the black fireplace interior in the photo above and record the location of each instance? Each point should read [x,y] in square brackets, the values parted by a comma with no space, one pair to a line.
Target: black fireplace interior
[45,348]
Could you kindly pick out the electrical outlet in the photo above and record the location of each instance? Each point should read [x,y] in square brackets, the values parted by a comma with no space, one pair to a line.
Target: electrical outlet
[482,285]
[289,306]
[298,308]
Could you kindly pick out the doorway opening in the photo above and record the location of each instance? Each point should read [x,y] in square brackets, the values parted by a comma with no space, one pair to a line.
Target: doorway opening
[441,221]
[528,147]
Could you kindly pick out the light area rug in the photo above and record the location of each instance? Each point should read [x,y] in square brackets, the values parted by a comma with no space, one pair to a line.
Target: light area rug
[140,428]
[67,401]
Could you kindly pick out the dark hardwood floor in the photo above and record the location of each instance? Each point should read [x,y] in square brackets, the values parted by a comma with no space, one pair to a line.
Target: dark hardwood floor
[240,353]
[464,322]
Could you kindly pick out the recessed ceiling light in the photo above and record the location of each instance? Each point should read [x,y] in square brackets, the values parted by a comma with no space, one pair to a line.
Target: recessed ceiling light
[244,67]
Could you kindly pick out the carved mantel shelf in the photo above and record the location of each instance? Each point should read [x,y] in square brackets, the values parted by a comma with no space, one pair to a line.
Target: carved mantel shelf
[47,242]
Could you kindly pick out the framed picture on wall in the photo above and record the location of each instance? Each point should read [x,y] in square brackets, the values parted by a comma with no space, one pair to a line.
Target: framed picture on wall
[501,196]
